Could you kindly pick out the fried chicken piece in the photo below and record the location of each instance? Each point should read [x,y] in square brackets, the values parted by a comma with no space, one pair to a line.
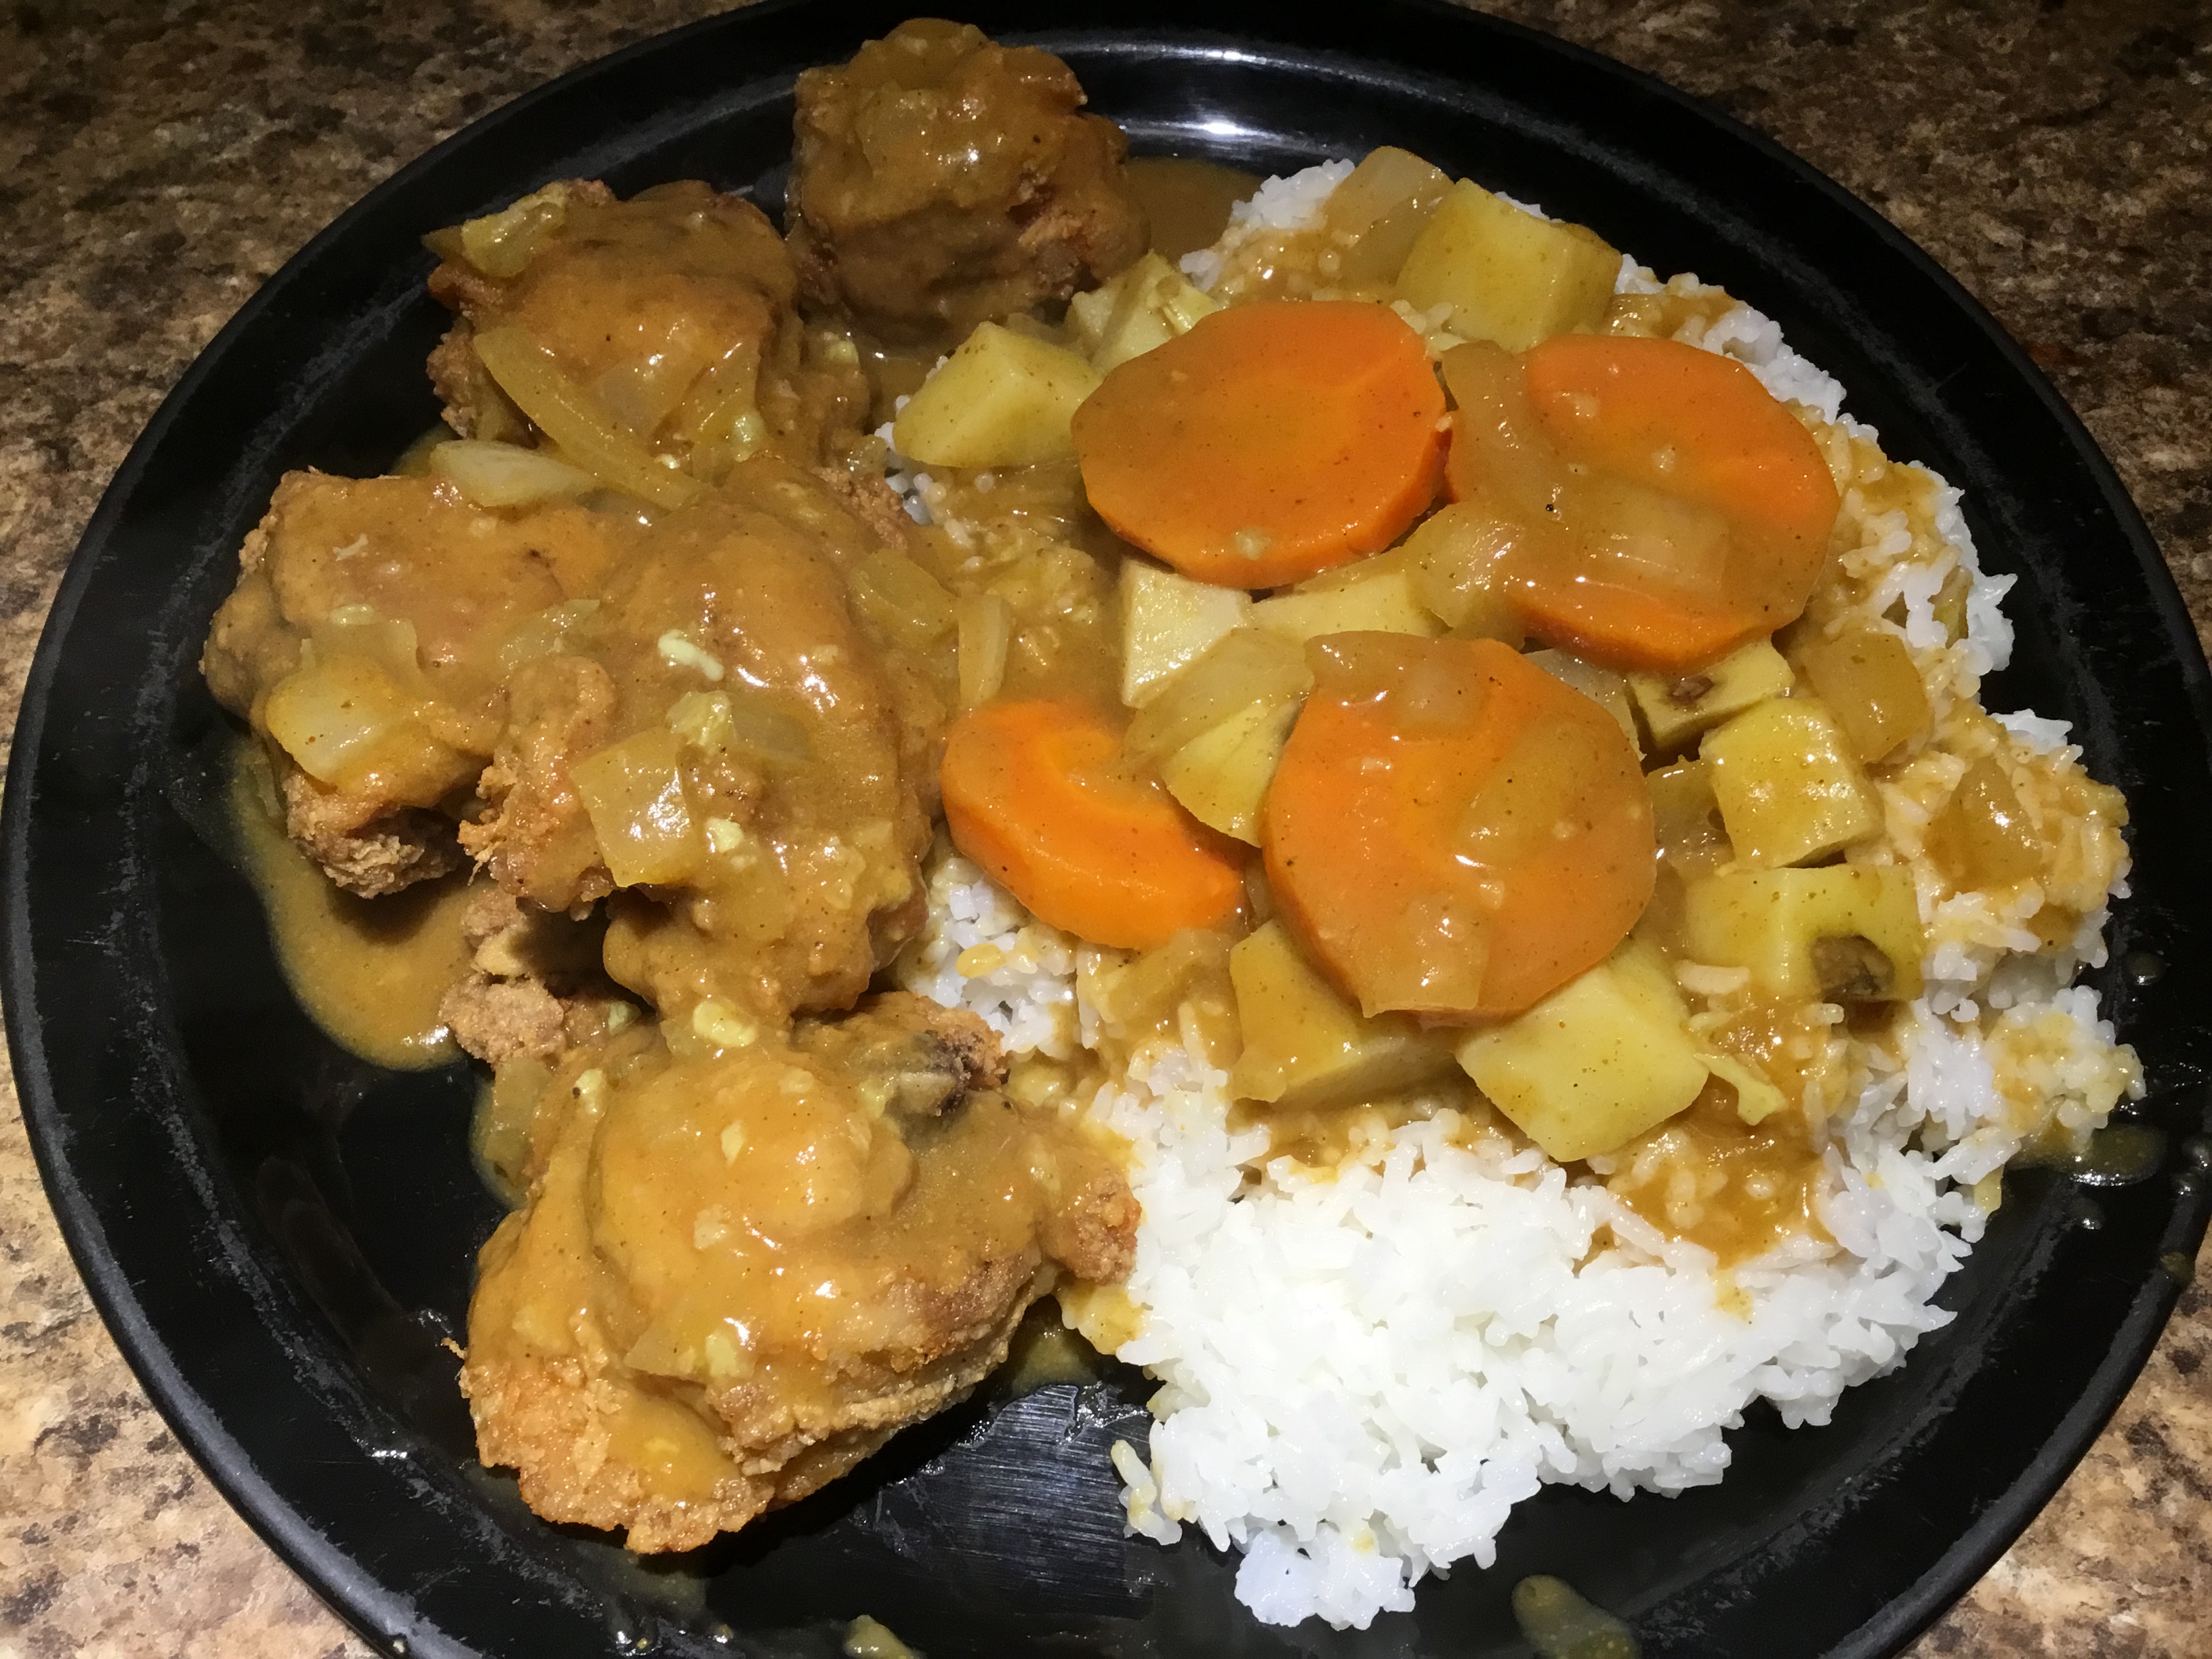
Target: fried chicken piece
[361,642]
[939,180]
[674,311]
[912,1056]
[534,989]
[362,844]
[740,1269]
[813,756]
[535,839]
[871,501]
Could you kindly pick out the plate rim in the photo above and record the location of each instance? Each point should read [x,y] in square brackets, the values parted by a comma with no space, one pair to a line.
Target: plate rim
[379,1613]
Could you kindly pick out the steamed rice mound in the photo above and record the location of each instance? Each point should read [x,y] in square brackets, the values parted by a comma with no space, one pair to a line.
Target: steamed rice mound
[1364,1368]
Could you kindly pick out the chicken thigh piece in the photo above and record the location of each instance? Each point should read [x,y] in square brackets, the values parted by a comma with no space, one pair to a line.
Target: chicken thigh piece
[743,1265]
[363,642]
[732,749]
[941,180]
[669,318]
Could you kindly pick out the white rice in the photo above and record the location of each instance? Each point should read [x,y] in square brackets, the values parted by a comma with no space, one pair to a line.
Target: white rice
[1364,1371]
[1283,203]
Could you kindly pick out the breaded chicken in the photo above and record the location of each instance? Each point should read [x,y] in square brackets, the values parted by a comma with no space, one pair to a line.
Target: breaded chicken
[941,180]
[742,1267]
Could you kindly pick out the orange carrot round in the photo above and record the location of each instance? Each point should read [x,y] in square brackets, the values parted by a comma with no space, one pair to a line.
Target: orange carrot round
[1038,794]
[1684,510]
[1271,442]
[1452,832]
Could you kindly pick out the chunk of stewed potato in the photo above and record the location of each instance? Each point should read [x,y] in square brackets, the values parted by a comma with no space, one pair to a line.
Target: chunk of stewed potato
[1602,1060]
[1787,788]
[1306,1046]
[1848,932]
[1508,276]
[1146,306]
[1247,666]
[1168,622]
[1002,400]
[1869,683]
[1375,595]
[1221,776]
[1677,708]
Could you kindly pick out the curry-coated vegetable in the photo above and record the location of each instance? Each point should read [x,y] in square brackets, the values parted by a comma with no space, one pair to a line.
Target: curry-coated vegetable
[1661,506]
[1037,793]
[1271,442]
[1452,832]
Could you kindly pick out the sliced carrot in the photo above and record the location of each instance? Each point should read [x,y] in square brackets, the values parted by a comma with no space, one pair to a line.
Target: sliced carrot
[1037,792]
[1736,447]
[1271,442]
[1451,831]
[1668,508]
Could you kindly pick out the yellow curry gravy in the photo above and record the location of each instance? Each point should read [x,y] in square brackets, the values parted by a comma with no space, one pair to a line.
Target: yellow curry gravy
[369,971]
[1186,201]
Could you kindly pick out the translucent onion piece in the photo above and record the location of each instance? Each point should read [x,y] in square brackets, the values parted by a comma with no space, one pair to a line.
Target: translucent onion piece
[643,393]
[1380,210]
[500,244]
[986,624]
[633,793]
[526,371]
[904,599]
[544,634]
[505,475]
[1250,665]
[330,715]
[740,722]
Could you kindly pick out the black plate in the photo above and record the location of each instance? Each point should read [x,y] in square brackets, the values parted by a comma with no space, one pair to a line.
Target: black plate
[279,1234]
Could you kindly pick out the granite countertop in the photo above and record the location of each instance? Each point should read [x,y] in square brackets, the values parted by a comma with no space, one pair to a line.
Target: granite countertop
[156,163]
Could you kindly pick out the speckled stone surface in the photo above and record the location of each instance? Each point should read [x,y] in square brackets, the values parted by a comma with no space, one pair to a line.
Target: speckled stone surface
[157,162]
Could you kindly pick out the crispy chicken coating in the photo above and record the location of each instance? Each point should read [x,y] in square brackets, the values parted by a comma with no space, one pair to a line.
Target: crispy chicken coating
[941,180]
[741,1268]
[677,717]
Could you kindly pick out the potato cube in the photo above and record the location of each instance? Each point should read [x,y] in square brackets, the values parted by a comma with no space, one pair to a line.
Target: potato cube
[1603,686]
[1373,596]
[1508,276]
[1678,706]
[1249,665]
[1848,932]
[1002,400]
[1168,622]
[633,792]
[1789,790]
[1600,1062]
[1306,1046]
[1222,774]
[1146,306]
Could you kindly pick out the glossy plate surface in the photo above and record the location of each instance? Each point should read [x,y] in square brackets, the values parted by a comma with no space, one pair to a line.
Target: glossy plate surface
[280,1235]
